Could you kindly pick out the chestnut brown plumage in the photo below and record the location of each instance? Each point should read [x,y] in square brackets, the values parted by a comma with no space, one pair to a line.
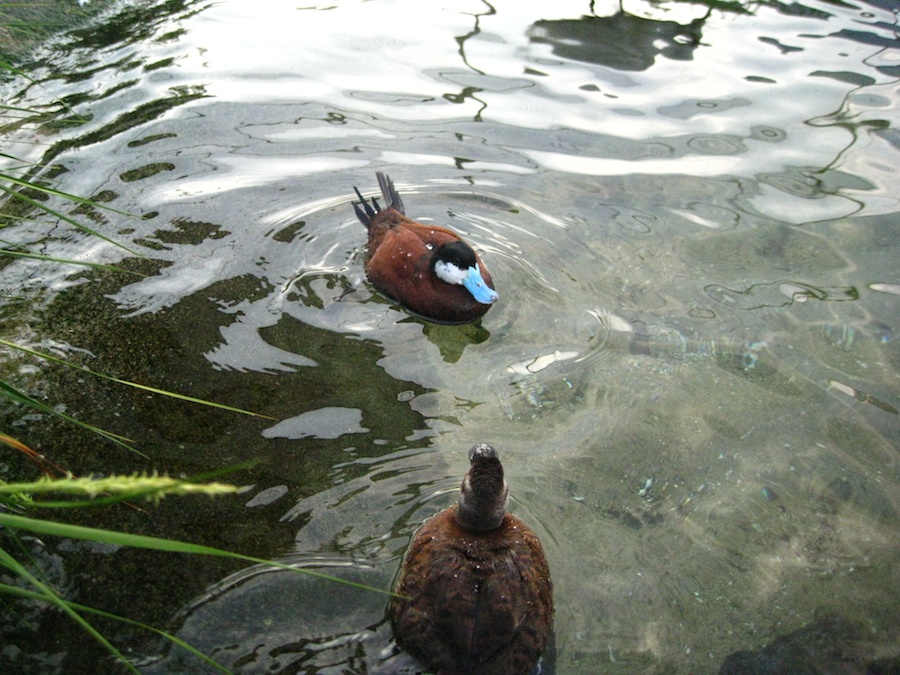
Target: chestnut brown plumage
[427,268]
[474,594]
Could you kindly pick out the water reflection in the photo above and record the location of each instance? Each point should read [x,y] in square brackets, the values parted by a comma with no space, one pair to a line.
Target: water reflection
[291,619]
[622,41]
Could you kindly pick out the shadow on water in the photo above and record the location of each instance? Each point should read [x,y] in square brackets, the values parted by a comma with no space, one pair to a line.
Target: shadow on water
[623,41]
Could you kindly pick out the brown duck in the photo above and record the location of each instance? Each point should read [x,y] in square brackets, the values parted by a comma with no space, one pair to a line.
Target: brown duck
[474,595]
[427,268]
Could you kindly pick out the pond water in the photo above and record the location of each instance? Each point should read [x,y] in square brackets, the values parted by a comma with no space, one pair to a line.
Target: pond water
[690,212]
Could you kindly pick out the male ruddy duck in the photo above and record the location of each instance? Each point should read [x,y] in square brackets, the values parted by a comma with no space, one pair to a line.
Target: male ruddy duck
[474,593]
[426,268]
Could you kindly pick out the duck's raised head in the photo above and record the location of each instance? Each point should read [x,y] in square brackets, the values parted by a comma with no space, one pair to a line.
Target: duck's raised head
[455,263]
[484,494]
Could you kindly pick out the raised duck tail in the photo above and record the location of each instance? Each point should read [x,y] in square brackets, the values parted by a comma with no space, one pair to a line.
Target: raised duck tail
[367,213]
[391,198]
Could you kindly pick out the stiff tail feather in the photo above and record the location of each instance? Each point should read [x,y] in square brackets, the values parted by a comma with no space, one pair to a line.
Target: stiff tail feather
[388,192]
[366,213]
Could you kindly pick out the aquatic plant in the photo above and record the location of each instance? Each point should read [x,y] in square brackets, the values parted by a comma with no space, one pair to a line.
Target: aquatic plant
[27,194]
[103,491]
[29,585]
[19,497]
[23,195]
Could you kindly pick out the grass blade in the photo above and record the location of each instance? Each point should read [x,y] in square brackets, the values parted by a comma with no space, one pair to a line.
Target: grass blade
[65,195]
[38,256]
[124,487]
[64,217]
[17,396]
[48,527]
[50,596]
[23,593]
[128,383]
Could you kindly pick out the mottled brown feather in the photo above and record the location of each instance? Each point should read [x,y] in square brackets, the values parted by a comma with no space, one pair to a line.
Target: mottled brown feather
[474,602]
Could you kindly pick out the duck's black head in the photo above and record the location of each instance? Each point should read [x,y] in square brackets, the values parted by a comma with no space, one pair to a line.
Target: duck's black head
[455,262]
[484,494]
[457,253]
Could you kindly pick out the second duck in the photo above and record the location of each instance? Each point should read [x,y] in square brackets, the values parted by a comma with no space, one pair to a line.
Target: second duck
[427,268]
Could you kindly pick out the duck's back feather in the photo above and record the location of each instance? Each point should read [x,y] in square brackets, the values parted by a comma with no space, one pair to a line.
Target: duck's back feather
[476,602]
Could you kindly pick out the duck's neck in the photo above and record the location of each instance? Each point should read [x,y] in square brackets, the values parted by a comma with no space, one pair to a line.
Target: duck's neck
[484,496]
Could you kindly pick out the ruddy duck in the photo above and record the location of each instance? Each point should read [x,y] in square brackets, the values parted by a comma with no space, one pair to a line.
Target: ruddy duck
[474,593]
[426,268]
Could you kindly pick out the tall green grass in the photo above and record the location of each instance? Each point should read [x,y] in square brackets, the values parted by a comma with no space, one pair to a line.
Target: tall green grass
[26,194]
[113,488]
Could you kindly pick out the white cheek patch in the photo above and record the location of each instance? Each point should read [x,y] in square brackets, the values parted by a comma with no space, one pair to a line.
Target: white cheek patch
[447,271]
